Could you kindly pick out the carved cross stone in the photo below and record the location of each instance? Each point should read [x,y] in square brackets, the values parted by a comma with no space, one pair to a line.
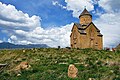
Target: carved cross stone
[72,71]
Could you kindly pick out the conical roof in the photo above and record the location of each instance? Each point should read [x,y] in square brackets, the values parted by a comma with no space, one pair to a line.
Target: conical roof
[85,12]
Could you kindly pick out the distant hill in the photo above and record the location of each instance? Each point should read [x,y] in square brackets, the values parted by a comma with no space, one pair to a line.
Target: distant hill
[7,45]
[118,47]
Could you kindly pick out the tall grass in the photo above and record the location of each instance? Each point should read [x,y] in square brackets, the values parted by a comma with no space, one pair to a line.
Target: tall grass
[52,64]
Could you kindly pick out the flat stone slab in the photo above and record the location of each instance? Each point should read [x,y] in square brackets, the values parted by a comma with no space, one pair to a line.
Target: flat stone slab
[3,65]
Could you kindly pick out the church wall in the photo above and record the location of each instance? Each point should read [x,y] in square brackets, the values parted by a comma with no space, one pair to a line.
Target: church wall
[85,19]
[92,37]
[71,41]
[74,39]
[78,40]
[89,40]
[100,44]
[84,41]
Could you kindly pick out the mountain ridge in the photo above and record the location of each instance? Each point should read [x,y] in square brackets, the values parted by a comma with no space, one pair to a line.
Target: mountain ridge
[7,45]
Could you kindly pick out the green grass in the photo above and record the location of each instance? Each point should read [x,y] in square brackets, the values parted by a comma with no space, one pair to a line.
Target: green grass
[52,64]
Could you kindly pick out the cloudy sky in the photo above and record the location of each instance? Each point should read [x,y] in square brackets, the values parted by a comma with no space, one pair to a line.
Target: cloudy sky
[50,21]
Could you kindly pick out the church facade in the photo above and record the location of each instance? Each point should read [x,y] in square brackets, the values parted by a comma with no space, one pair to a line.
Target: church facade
[85,34]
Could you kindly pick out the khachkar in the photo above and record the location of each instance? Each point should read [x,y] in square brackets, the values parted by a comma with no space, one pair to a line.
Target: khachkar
[85,34]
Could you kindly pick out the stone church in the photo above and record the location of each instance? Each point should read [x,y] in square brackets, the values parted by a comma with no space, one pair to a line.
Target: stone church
[85,34]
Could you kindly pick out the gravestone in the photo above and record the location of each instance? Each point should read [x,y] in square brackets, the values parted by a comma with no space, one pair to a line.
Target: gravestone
[72,71]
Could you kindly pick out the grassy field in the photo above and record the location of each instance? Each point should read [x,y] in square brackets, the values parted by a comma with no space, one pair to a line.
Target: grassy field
[52,64]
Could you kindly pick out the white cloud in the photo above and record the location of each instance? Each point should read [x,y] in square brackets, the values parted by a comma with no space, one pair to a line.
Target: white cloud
[57,3]
[53,37]
[1,41]
[11,18]
[109,26]
[110,5]
[109,22]
[76,6]
[22,29]
[13,37]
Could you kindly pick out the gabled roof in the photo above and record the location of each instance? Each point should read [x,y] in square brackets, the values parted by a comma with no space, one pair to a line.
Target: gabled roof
[94,26]
[85,12]
[99,34]
[79,26]
[82,31]
[82,28]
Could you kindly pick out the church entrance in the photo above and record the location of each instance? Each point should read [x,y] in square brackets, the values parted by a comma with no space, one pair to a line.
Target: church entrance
[92,42]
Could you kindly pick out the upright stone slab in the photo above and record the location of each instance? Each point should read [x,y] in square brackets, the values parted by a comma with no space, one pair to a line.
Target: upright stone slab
[72,71]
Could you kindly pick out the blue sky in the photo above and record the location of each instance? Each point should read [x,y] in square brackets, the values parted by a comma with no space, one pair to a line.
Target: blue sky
[50,21]
[51,15]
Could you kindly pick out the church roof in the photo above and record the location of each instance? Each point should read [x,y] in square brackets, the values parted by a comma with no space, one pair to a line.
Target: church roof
[99,34]
[85,12]
[82,28]
[82,31]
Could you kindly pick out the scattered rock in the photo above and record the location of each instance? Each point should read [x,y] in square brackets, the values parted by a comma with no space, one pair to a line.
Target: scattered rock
[36,49]
[91,79]
[77,63]
[86,65]
[63,63]
[72,71]
[18,74]
[10,52]
[56,62]
[22,66]
[23,51]
[111,63]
